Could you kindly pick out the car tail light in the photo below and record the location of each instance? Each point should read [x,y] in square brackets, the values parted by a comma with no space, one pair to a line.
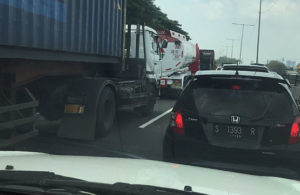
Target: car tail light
[295,132]
[163,82]
[177,122]
[236,87]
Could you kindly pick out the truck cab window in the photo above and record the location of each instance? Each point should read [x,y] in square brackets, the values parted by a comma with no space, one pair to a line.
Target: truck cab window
[133,46]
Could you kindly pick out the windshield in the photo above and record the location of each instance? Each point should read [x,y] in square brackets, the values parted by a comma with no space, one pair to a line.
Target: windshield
[151,92]
[250,98]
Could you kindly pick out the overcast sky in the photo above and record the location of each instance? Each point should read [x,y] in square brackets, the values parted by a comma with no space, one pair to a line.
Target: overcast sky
[209,23]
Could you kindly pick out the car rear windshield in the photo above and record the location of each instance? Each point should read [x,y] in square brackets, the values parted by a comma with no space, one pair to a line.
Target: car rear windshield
[251,98]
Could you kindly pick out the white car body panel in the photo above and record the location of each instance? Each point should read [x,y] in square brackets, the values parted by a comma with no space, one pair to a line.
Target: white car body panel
[241,73]
[147,172]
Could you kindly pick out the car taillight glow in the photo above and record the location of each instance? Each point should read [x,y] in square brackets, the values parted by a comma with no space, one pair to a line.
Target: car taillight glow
[177,123]
[295,132]
[163,82]
[236,87]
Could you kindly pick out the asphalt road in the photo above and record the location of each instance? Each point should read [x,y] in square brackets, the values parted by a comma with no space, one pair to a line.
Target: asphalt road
[133,135]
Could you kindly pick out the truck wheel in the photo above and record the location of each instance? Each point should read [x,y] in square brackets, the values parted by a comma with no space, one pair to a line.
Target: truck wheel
[106,112]
[147,110]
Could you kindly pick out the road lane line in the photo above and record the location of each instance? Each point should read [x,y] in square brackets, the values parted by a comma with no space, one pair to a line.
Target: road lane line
[155,119]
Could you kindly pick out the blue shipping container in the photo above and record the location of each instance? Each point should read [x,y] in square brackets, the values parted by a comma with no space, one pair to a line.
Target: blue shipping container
[85,27]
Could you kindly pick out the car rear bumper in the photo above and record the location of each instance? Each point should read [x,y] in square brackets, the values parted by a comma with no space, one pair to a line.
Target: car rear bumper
[185,150]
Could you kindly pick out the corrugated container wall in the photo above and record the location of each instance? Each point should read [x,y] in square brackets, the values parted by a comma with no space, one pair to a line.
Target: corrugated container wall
[85,26]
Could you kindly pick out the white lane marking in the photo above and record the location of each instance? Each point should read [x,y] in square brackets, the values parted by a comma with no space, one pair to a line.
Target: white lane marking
[155,119]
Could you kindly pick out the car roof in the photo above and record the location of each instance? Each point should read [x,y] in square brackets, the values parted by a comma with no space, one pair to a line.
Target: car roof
[245,65]
[271,75]
[248,67]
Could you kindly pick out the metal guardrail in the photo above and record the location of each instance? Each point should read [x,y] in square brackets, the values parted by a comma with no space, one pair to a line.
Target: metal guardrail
[17,119]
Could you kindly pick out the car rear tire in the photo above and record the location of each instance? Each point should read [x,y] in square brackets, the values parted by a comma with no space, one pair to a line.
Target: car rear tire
[106,112]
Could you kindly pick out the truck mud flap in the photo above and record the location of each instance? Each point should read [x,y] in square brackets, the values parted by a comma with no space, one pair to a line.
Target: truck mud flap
[84,95]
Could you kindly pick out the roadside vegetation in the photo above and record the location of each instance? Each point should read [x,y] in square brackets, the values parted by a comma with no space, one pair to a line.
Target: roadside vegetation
[146,12]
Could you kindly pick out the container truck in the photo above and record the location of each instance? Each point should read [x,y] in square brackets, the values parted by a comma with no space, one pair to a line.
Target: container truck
[207,59]
[73,61]
[179,60]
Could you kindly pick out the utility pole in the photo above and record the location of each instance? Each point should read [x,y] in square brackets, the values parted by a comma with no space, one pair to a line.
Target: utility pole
[243,27]
[226,50]
[258,36]
[232,44]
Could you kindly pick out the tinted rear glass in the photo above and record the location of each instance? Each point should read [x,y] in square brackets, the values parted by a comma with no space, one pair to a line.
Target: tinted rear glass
[248,98]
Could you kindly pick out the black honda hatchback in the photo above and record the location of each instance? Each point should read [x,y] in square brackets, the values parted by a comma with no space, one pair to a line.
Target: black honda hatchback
[235,115]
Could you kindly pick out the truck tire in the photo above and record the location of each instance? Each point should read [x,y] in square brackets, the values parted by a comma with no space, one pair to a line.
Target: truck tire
[147,110]
[106,112]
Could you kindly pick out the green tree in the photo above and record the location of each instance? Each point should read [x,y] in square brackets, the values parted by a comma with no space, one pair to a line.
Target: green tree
[277,66]
[225,60]
[145,11]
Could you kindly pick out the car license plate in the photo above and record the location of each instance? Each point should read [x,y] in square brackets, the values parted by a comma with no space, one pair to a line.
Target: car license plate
[74,109]
[176,85]
[235,132]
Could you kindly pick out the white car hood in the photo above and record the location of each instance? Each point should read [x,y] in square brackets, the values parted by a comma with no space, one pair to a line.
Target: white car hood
[147,172]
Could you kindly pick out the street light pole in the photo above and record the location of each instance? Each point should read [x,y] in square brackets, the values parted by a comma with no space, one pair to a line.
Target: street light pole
[242,38]
[227,50]
[258,36]
[242,43]
[232,44]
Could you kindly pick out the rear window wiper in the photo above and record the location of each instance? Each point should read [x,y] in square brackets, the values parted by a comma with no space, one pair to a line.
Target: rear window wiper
[263,113]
